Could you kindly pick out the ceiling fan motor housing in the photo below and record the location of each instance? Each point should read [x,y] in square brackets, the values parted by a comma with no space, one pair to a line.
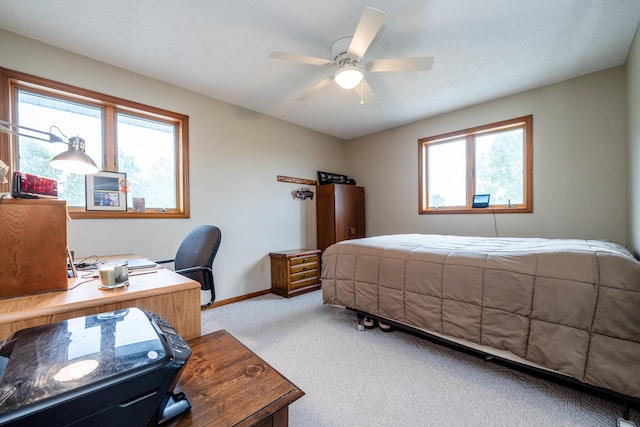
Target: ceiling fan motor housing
[340,53]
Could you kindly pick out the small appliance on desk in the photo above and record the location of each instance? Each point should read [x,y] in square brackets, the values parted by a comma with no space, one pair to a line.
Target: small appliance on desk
[110,369]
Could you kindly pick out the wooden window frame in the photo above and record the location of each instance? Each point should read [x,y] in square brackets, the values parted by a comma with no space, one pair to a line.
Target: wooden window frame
[13,80]
[525,122]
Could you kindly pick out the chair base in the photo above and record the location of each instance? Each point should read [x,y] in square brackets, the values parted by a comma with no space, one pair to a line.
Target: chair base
[210,303]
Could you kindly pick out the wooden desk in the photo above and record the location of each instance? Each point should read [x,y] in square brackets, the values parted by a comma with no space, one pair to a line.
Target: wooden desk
[229,385]
[164,292]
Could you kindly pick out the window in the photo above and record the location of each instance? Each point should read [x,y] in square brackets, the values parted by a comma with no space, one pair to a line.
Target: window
[494,159]
[150,145]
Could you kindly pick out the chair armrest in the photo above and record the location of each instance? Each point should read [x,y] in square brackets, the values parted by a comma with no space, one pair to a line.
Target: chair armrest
[207,271]
[193,269]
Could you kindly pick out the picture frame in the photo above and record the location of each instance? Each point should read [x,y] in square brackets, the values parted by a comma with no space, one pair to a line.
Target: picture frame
[138,204]
[105,191]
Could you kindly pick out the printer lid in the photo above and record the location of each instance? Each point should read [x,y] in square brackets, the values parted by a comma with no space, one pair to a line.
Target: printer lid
[46,361]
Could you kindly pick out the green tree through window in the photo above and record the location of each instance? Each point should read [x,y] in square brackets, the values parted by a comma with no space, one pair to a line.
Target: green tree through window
[499,166]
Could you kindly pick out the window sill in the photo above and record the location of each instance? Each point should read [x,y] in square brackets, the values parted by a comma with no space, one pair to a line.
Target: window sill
[489,210]
[83,214]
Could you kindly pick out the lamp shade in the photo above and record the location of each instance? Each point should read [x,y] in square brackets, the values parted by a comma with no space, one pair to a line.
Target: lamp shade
[75,160]
[348,77]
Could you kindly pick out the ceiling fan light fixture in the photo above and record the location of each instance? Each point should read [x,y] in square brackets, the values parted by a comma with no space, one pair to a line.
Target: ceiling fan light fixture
[348,77]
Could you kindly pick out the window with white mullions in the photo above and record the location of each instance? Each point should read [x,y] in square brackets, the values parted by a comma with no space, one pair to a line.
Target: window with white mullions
[148,144]
[493,159]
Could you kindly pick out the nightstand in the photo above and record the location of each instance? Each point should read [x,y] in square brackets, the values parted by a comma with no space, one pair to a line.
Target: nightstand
[295,271]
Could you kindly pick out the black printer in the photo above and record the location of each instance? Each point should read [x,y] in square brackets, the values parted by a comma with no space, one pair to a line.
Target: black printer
[110,369]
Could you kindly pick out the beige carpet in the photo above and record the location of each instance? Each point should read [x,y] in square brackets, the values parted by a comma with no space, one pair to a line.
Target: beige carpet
[373,378]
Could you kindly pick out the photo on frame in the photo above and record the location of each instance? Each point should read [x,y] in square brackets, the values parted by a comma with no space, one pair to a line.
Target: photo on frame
[104,191]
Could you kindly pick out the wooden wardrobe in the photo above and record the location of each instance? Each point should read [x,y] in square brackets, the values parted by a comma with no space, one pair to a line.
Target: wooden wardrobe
[339,213]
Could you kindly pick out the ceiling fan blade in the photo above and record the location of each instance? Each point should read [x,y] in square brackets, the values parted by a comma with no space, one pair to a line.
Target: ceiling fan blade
[367,29]
[316,87]
[300,58]
[402,64]
[365,92]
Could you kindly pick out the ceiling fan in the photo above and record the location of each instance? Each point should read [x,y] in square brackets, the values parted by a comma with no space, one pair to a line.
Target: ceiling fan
[347,56]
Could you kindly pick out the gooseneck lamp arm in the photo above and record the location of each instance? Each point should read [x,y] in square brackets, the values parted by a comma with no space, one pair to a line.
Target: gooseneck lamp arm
[74,160]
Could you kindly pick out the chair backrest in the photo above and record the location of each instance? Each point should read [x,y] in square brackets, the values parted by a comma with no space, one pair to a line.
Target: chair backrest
[199,249]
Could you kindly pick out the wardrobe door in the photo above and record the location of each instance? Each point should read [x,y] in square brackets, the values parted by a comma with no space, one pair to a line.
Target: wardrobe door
[340,213]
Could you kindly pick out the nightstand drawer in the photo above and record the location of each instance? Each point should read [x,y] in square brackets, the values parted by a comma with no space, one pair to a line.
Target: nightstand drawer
[304,260]
[304,282]
[294,269]
[308,274]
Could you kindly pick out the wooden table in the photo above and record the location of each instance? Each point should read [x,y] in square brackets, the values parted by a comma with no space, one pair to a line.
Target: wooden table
[229,385]
[162,291]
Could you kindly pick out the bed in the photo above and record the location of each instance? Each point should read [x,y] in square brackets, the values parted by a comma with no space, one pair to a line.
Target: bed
[566,306]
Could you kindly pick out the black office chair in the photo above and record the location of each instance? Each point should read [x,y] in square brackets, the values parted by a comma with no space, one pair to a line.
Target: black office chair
[195,255]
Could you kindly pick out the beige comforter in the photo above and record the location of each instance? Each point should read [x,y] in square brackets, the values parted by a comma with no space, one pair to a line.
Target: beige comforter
[572,306]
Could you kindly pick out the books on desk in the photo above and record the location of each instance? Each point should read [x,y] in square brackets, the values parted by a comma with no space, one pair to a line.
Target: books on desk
[138,263]
[132,263]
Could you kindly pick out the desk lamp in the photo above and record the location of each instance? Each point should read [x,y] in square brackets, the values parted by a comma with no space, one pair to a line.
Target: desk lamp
[74,160]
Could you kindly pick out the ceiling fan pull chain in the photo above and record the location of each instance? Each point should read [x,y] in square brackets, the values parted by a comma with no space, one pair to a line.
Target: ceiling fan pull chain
[362,92]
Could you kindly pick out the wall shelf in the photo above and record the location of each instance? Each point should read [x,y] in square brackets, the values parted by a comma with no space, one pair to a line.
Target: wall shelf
[293,180]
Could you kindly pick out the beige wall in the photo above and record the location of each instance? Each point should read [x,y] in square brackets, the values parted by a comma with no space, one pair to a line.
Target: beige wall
[580,176]
[235,154]
[578,157]
[633,144]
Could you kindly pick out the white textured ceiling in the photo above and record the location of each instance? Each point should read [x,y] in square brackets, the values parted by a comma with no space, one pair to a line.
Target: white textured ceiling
[220,48]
